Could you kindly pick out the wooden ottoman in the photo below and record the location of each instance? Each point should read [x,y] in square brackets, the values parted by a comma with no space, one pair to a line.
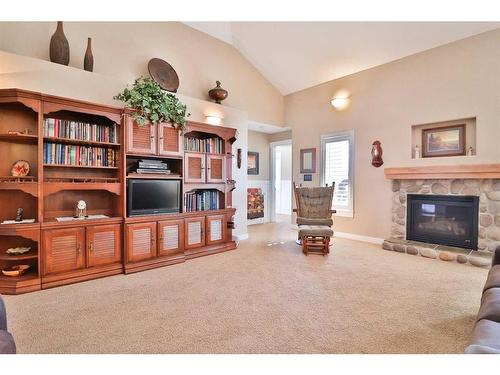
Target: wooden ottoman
[315,238]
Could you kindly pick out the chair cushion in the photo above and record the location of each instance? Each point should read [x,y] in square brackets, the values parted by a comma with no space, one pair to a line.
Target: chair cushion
[485,338]
[315,230]
[7,344]
[490,305]
[493,280]
[314,221]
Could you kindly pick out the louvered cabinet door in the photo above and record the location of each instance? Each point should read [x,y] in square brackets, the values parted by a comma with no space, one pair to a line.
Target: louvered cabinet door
[169,140]
[194,232]
[103,244]
[170,237]
[63,250]
[216,168]
[140,139]
[194,168]
[216,229]
[141,241]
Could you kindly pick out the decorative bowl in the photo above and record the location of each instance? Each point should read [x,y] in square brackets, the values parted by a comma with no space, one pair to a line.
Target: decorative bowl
[18,250]
[16,270]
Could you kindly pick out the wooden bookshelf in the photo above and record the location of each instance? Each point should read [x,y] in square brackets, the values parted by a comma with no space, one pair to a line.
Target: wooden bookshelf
[77,250]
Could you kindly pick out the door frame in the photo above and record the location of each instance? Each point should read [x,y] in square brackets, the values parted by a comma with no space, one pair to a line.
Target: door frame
[272,162]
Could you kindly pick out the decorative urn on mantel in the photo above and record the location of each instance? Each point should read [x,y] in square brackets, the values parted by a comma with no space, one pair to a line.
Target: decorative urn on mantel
[88,61]
[218,94]
[59,46]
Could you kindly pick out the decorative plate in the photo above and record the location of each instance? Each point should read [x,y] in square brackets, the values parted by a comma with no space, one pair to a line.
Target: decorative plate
[18,250]
[16,270]
[20,168]
[163,74]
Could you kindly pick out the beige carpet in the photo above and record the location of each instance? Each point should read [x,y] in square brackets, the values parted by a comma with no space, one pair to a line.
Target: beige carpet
[261,299]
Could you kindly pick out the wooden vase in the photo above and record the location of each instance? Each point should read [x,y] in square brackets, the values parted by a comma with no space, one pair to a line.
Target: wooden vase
[59,46]
[218,94]
[88,61]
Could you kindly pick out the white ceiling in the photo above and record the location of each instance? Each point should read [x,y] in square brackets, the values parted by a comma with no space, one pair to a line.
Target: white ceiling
[297,55]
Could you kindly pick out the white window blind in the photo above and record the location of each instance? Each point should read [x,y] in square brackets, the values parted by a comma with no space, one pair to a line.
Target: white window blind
[336,166]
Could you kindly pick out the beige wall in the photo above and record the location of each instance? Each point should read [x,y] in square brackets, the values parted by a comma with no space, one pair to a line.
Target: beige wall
[46,77]
[122,50]
[459,80]
[259,142]
[281,136]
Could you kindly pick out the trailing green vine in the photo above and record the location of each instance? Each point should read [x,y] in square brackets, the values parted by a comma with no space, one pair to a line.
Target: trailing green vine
[153,105]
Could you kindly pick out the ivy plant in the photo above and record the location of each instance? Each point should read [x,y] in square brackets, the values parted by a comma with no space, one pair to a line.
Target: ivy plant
[153,105]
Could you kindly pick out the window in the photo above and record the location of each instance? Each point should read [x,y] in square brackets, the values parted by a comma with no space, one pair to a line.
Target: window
[336,166]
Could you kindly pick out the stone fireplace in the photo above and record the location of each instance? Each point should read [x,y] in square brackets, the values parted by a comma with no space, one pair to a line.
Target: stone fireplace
[443,219]
[444,205]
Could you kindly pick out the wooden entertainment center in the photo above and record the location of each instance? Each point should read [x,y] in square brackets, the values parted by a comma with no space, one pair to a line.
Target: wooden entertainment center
[93,161]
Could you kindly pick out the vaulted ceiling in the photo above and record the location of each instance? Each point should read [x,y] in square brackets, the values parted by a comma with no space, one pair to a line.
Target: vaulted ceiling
[297,55]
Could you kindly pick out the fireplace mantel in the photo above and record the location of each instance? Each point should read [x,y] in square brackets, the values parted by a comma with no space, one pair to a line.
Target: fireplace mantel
[465,171]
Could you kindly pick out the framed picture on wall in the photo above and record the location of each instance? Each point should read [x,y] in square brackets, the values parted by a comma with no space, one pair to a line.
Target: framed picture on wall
[443,141]
[308,160]
[253,163]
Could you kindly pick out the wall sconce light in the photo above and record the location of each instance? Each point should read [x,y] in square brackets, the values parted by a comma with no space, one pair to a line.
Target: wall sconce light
[340,103]
[214,120]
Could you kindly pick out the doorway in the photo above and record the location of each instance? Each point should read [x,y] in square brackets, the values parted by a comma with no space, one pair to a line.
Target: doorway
[281,181]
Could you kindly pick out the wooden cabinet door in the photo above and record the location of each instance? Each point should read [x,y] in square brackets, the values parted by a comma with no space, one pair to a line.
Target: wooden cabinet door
[169,140]
[170,237]
[194,168]
[141,139]
[63,250]
[216,229]
[141,241]
[216,168]
[194,232]
[103,244]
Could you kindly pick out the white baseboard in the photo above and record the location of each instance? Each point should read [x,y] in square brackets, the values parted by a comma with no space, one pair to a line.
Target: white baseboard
[240,237]
[358,237]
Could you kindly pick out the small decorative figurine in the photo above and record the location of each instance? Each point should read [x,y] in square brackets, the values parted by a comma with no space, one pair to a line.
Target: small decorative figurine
[19,214]
[238,158]
[81,210]
[417,152]
[470,151]
[377,154]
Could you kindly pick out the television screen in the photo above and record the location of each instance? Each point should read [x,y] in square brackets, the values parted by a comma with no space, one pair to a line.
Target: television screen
[147,197]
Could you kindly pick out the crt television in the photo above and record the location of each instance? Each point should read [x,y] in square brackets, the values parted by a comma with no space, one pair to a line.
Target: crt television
[149,197]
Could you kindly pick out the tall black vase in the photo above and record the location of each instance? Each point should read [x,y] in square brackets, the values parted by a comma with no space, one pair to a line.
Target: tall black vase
[88,61]
[59,46]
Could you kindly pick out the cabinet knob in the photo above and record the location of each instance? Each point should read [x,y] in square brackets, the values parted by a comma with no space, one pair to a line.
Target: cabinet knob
[78,248]
[91,246]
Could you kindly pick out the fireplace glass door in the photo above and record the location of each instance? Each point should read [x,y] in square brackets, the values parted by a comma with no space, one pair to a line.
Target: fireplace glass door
[443,219]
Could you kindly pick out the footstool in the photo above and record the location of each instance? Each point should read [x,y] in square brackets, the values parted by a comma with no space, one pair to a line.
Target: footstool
[315,238]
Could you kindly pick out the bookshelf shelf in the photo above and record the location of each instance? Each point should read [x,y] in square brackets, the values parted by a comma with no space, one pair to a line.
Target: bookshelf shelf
[154,176]
[30,188]
[77,166]
[27,256]
[29,139]
[55,187]
[70,141]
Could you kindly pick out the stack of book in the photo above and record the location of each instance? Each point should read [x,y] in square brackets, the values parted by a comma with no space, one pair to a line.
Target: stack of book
[56,153]
[202,200]
[58,128]
[152,167]
[210,145]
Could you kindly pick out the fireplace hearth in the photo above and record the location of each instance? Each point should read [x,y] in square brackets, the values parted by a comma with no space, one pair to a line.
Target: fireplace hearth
[443,219]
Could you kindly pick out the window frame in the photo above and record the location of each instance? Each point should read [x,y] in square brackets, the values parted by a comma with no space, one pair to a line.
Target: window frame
[335,137]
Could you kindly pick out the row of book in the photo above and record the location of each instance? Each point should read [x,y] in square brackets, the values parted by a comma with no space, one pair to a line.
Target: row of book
[202,200]
[56,153]
[53,127]
[210,145]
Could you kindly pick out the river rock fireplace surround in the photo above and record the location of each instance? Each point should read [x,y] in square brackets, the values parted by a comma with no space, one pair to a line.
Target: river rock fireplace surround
[437,210]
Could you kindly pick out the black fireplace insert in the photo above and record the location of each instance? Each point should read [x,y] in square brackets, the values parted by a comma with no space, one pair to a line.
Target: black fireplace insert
[443,219]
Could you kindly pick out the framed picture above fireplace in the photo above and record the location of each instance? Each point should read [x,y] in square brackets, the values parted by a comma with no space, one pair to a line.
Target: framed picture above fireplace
[444,141]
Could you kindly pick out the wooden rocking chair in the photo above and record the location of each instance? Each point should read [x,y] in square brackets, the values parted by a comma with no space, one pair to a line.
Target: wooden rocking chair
[314,217]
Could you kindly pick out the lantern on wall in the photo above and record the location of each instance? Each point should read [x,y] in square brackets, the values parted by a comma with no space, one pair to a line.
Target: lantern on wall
[377,154]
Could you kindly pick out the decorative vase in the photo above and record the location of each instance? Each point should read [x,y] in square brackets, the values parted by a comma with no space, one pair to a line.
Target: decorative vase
[377,154]
[59,46]
[88,61]
[218,93]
